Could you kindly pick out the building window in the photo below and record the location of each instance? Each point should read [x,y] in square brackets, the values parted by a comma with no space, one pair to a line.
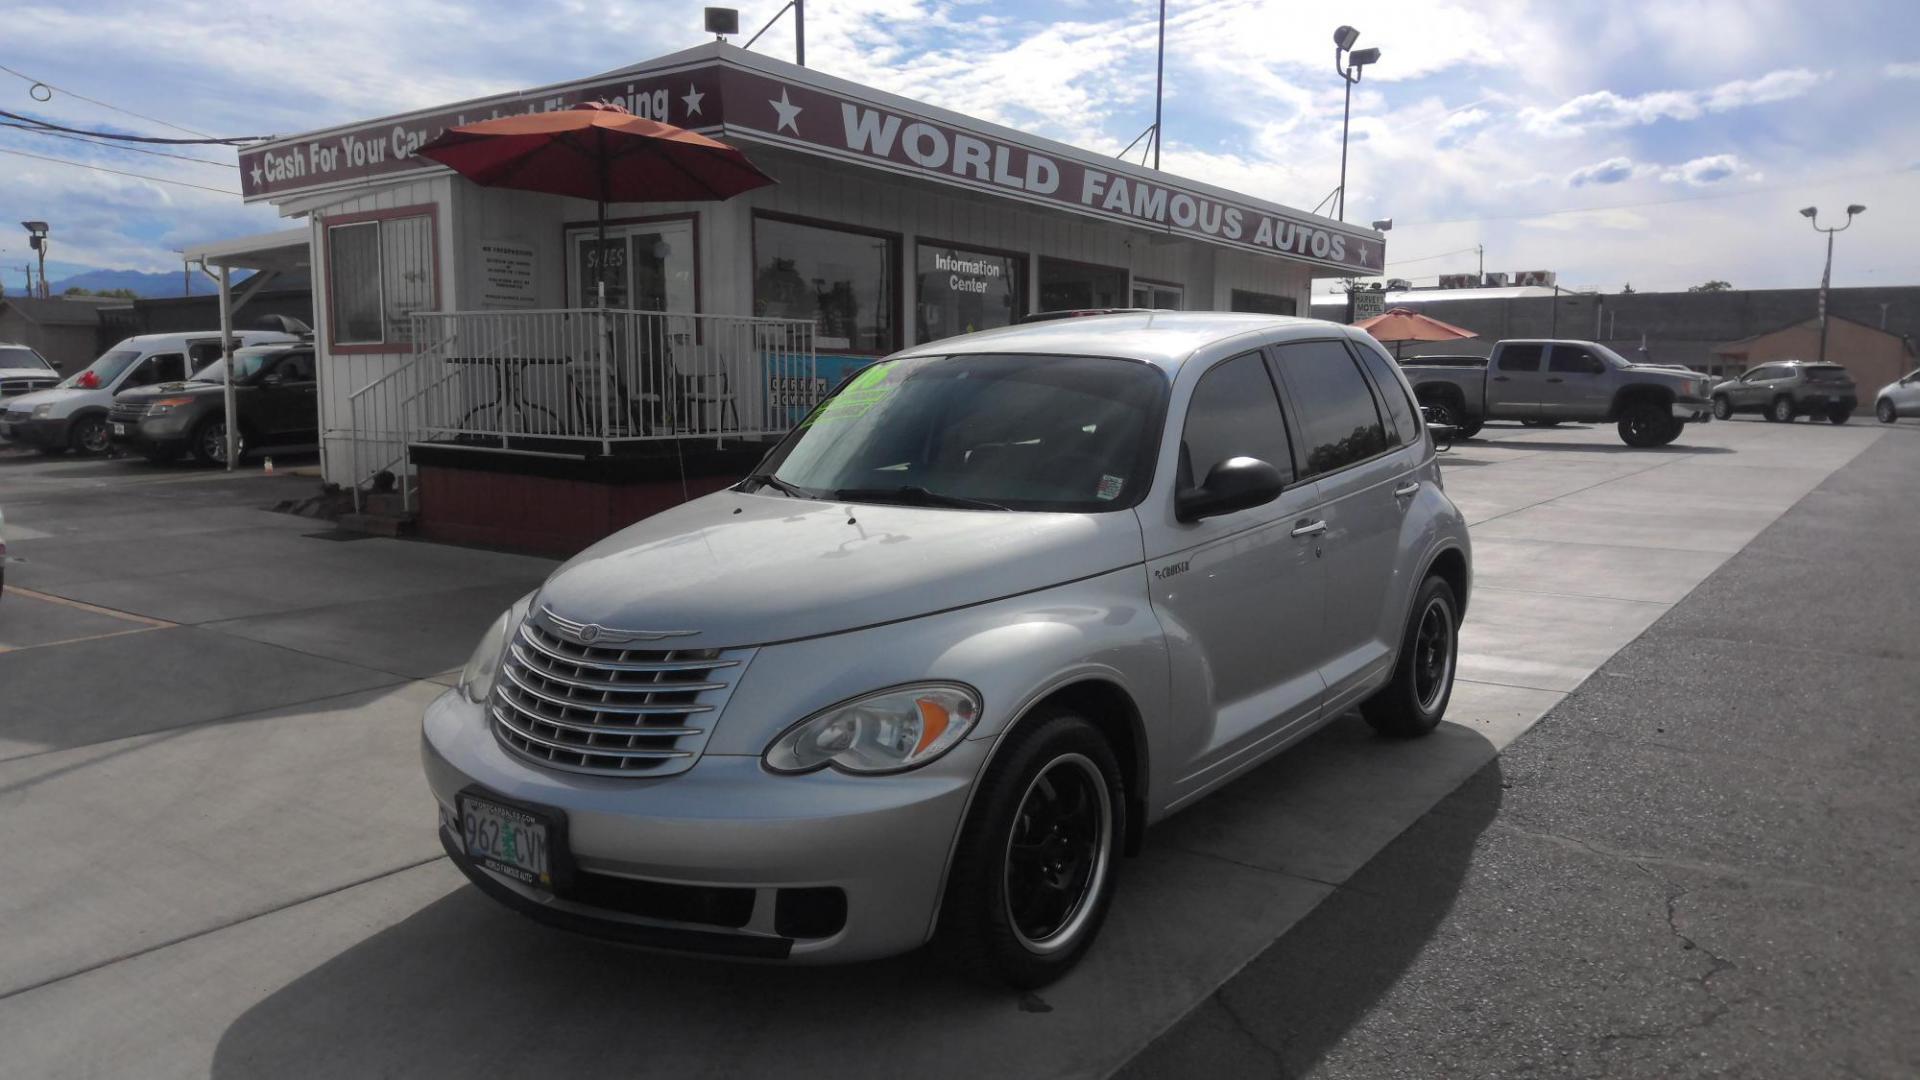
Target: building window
[960,290]
[1071,286]
[1159,295]
[649,265]
[1259,303]
[844,280]
[379,272]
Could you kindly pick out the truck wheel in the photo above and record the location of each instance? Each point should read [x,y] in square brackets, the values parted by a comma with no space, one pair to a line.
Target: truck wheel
[1722,408]
[1675,426]
[1033,873]
[210,441]
[1839,416]
[89,435]
[1469,428]
[1413,703]
[1644,424]
[1781,411]
[1885,411]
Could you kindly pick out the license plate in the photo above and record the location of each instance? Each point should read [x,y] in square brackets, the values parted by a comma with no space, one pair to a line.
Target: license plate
[508,840]
[6,430]
[119,429]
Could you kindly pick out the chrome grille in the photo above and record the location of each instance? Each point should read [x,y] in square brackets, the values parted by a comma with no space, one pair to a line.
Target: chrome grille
[127,412]
[608,710]
[16,387]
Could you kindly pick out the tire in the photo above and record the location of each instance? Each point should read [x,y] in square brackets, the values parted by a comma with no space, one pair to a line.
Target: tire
[1781,411]
[1885,411]
[1413,703]
[1025,921]
[1839,416]
[1722,408]
[210,441]
[1645,425]
[89,435]
[1468,429]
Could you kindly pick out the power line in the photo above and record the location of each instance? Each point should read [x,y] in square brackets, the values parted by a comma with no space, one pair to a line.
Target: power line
[93,101]
[1661,202]
[116,172]
[1426,258]
[49,126]
[117,146]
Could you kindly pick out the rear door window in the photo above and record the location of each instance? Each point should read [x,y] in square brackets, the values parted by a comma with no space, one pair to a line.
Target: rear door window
[1402,427]
[1521,357]
[1574,360]
[1340,422]
[1235,412]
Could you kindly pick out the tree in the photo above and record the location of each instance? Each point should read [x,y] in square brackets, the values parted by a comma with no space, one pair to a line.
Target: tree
[1715,285]
[1627,290]
[119,294]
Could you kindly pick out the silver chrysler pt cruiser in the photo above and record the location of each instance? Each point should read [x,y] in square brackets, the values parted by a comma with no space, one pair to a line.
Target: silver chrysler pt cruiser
[998,604]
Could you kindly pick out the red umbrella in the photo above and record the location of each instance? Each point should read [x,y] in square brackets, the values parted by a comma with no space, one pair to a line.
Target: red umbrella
[1405,324]
[596,151]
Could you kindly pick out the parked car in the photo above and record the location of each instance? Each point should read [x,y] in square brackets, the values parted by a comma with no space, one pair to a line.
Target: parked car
[1898,398]
[1550,381]
[1786,389]
[983,616]
[22,371]
[274,393]
[73,415]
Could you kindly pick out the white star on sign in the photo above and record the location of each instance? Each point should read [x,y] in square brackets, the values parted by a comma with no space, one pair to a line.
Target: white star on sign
[789,112]
[692,98]
[256,174]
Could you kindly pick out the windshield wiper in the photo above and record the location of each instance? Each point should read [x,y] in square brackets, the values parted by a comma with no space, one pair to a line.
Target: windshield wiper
[914,495]
[768,480]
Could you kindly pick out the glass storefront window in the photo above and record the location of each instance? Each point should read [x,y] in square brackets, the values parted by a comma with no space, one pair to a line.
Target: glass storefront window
[962,290]
[844,281]
[1259,303]
[1068,286]
[649,266]
[1159,295]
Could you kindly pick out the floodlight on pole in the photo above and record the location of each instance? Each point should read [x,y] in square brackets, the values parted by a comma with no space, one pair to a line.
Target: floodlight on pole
[37,240]
[1383,225]
[1349,65]
[1826,275]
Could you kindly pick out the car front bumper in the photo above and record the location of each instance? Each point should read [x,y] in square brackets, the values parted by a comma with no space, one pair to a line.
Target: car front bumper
[152,432]
[1693,410]
[725,825]
[45,433]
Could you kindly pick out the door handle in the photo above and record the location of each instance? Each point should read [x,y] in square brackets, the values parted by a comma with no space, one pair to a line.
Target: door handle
[1310,528]
[1499,378]
[1556,380]
[1406,489]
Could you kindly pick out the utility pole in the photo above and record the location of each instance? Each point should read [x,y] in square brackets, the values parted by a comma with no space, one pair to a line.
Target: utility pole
[1482,249]
[800,32]
[1826,276]
[1159,80]
[1350,66]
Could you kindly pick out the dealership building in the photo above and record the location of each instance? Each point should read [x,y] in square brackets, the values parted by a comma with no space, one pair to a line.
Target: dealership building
[461,346]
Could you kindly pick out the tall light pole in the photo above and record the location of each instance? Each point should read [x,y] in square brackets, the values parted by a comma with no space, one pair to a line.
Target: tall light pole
[1349,66]
[37,240]
[1826,276]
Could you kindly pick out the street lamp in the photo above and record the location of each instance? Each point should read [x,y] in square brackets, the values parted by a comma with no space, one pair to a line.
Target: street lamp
[37,240]
[1349,66]
[1826,276]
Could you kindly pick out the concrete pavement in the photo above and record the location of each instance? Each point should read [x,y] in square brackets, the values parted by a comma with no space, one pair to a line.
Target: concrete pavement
[249,885]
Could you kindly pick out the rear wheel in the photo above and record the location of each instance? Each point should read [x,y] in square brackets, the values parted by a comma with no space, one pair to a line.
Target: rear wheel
[1645,424]
[1781,411]
[1839,416]
[1886,412]
[1722,408]
[210,441]
[1033,873]
[1413,703]
[89,435]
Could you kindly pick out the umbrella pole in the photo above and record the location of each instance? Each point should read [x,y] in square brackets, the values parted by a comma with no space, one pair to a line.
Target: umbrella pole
[607,383]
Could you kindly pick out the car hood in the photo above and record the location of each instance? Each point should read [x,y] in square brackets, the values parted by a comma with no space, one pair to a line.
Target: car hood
[29,373]
[172,389]
[751,569]
[70,396]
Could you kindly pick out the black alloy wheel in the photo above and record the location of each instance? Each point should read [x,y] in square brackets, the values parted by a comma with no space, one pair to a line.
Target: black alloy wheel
[1057,853]
[1414,702]
[90,435]
[1646,424]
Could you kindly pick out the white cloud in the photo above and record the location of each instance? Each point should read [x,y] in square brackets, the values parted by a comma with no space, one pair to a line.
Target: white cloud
[1909,70]
[1707,171]
[1604,109]
[1614,170]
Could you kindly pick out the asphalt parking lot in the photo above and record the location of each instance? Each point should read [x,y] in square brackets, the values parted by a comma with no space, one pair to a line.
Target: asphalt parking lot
[222,858]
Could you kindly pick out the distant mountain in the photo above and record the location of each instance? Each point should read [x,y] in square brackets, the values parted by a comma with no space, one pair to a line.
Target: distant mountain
[163,283]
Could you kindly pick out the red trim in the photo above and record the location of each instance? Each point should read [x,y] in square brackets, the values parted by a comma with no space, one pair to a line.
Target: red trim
[431,211]
[894,259]
[566,252]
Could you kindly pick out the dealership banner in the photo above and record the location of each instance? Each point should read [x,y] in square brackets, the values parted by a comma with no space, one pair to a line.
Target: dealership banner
[881,132]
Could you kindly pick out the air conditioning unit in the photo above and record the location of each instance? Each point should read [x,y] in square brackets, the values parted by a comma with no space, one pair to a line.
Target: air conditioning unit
[1459,281]
[1535,277]
[1495,281]
[1397,284]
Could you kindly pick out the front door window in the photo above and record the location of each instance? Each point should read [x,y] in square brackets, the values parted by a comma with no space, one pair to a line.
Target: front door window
[646,267]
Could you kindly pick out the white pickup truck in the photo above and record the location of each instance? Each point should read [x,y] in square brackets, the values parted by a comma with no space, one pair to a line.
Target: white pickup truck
[1547,381]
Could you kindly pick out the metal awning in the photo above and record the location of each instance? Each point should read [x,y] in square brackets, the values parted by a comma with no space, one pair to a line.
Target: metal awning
[269,255]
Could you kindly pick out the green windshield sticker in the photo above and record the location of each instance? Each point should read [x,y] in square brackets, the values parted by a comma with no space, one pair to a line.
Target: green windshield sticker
[868,389]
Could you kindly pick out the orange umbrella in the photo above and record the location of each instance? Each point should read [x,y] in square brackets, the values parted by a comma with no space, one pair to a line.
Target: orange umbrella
[1402,325]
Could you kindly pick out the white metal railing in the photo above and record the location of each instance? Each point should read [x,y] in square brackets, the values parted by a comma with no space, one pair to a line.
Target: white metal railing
[581,379]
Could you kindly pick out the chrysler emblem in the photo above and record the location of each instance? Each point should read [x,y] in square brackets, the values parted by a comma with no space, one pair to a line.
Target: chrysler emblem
[590,633]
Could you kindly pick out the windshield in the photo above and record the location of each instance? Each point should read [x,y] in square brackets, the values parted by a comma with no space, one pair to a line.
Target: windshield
[247,361]
[996,431]
[15,357]
[1609,355]
[106,369]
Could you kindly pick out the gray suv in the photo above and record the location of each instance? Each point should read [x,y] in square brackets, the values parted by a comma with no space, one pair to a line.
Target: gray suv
[1786,389]
[996,605]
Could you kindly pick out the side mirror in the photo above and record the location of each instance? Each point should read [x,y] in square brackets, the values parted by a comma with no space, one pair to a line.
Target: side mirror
[1235,484]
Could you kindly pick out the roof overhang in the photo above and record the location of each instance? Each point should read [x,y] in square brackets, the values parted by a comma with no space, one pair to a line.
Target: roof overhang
[282,251]
[722,90]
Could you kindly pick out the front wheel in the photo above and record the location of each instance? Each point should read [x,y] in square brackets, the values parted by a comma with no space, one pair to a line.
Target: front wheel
[1646,425]
[1413,703]
[1885,411]
[1781,411]
[1033,873]
[210,442]
[89,435]
[1722,408]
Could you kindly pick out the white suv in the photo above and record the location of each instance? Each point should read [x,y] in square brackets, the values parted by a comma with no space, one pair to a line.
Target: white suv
[22,371]
[73,415]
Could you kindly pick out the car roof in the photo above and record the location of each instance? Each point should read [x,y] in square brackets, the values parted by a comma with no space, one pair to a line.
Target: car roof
[149,341]
[1163,338]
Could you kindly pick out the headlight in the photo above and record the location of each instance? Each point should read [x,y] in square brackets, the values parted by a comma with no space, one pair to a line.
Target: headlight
[166,405]
[476,679]
[42,410]
[902,728]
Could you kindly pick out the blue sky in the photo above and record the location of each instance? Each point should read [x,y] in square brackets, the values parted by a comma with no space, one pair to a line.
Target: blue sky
[1660,144]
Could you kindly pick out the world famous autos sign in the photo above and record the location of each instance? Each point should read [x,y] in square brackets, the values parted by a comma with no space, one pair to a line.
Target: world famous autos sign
[800,110]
